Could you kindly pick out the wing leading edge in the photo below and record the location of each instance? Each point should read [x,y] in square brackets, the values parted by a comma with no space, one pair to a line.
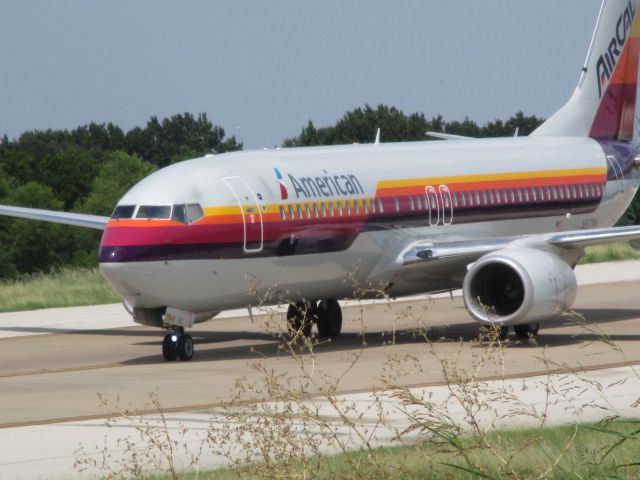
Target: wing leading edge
[67,218]
[420,252]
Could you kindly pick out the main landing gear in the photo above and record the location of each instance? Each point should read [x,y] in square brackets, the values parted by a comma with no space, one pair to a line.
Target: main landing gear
[523,332]
[326,314]
[177,344]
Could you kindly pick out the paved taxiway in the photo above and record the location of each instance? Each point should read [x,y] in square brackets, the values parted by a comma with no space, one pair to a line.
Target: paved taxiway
[54,372]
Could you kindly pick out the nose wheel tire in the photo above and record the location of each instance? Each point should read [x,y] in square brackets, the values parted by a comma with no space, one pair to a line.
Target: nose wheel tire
[329,318]
[185,347]
[525,332]
[177,345]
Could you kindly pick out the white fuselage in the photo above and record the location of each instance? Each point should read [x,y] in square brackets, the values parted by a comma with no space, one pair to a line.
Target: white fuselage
[283,225]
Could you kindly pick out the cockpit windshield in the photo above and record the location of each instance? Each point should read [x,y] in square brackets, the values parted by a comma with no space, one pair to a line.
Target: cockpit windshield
[184,213]
[160,212]
[123,211]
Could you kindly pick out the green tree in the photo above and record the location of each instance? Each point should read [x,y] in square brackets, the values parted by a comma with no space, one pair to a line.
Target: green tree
[360,126]
[29,246]
[162,143]
[119,173]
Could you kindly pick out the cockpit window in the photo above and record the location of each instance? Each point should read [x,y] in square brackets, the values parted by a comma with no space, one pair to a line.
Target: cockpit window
[123,211]
[179,213]
[187,213]
[154,211]
[194,211]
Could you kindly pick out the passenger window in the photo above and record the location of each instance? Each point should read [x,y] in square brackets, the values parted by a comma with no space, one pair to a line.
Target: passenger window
[347,208]
[454,196]
[463,199]
[573,192]
[372,205]
[519,195]
[292,215]
[315,210]
[491,199]
[380,205]
[356,206]
[396,204]
[412,206]
[418,202]
[123,211]
[162,212]
[477,197]
[324,209]
[283,214]
[299,209]
[526,195]
[533,194]
[339,208]
[365,205]
[307,210]
[332,211]
[484,197]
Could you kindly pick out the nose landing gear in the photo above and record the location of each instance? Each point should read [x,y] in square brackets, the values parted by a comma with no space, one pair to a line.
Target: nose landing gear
[177,344]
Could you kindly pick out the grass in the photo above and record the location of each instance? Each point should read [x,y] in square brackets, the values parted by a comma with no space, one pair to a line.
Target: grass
[552,453]
[64,288]
[613,252]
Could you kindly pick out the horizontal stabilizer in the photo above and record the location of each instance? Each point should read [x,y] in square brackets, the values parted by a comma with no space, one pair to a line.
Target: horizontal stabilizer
[67,218]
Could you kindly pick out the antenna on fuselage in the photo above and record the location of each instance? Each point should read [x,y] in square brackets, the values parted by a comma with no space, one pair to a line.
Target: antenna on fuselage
[377,141]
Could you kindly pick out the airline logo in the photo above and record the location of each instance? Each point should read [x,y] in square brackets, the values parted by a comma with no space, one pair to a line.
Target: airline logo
[284,193]
[607,61]
[324,185]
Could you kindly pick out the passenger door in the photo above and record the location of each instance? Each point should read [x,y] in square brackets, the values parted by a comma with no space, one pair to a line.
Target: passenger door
[253,231]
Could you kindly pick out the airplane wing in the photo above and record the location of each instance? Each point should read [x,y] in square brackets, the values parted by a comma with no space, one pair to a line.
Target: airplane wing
[426,251]
[68,218]
[447,136]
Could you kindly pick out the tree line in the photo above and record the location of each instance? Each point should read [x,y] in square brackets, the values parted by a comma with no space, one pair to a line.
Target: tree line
[88,169]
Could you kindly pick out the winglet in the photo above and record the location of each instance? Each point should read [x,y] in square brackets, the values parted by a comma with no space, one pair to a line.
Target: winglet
[377,142]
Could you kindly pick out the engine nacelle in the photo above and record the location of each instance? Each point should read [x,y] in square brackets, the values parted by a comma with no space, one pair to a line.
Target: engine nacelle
[518,286]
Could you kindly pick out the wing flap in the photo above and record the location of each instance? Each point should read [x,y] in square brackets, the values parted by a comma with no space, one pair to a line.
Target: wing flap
[67,218]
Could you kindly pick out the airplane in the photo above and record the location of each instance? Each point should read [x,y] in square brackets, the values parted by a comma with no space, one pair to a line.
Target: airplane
[504,219]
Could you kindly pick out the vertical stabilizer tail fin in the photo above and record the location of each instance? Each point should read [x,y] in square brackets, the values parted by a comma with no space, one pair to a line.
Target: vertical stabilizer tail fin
[603,106]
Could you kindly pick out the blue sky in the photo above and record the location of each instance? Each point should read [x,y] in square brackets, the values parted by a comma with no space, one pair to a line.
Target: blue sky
[261,69]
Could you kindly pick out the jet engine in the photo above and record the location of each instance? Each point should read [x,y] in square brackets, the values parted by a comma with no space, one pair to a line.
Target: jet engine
[518,286]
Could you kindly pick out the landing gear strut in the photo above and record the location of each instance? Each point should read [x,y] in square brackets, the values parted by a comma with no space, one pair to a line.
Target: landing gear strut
[327,315]
[177,344]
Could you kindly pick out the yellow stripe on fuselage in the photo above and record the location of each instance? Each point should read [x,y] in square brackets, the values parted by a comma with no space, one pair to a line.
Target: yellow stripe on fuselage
[490,177]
